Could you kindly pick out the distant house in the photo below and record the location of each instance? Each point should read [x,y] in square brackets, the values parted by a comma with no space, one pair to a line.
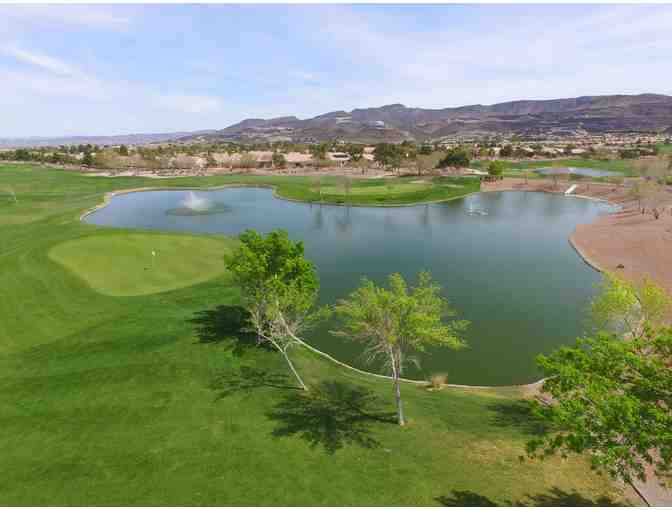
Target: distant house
[368,153]
[340,157]
[298,159]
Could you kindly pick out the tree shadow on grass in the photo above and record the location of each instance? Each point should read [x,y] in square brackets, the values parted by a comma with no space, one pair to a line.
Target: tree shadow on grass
[554,497]
[465,498]
[226,323]
[519,415]
[247,379]
[331,415]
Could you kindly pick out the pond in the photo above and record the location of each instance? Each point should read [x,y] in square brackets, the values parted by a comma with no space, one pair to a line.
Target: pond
[503,259]
[585,172]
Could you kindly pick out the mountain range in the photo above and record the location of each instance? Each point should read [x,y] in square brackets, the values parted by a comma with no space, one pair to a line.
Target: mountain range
[396,122]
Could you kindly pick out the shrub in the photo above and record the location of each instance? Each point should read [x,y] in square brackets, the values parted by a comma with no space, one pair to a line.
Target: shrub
[496,168]
[279,160]
[455,157]
[438,381]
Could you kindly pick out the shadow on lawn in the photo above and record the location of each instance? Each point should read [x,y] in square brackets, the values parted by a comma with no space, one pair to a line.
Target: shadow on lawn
[518,414]
[226,323]
[246,379]
[331,415]
[554,497]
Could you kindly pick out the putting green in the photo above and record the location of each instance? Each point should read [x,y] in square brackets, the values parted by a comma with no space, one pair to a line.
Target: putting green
[121,264]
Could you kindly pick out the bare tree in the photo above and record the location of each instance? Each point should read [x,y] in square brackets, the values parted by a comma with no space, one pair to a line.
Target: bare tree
[248,161]
[423,164]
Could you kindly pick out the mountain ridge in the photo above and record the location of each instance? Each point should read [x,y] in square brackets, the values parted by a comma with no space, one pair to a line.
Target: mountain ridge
[396,122]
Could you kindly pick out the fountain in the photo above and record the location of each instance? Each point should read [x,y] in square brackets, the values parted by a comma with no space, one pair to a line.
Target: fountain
[195,203]
[477,210]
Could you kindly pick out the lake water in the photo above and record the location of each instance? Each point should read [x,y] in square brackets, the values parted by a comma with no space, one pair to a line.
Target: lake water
[503,259]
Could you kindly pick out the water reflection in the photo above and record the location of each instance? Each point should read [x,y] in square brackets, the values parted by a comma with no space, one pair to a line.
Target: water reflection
[512,272]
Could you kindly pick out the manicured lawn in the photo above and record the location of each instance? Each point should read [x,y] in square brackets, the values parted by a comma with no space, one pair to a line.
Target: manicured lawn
[615,165]
[159,399]
[124,265]
[380,189]
[400,191]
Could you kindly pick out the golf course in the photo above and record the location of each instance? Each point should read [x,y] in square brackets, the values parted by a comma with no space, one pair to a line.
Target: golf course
[126,377]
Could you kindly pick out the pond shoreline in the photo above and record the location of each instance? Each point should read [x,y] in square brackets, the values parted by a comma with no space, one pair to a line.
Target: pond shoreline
[528,389]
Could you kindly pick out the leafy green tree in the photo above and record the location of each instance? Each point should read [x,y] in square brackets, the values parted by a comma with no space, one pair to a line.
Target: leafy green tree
[388,155]
[397,321]
[279,289]
[355,151]
[506,151]
[87,159]
[123,150]
[319,151]
[279,160]
[425,149]
[22,155]
[496,168]
[627,308]
[457,157]
[611,399]
[612,393]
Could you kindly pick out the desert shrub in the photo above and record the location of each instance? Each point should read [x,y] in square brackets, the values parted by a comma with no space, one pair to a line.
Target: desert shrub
[248,160]
[438,381]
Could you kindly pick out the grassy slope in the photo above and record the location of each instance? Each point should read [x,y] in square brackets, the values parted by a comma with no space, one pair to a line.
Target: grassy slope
[397,191]
[516,167]
[665,148]
[146,400]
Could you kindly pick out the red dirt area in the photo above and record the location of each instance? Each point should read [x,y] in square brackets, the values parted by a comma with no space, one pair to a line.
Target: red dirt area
[629,243]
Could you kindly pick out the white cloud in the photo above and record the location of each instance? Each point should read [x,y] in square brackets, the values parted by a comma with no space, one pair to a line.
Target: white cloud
[20,84]
[44,62]
[19,18]
[608,50]
[187,103]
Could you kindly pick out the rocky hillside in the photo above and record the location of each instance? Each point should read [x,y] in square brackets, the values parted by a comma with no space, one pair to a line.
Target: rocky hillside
[593,114]
[396,122]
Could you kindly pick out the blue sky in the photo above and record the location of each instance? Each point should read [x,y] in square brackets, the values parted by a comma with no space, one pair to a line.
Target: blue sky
[105,69]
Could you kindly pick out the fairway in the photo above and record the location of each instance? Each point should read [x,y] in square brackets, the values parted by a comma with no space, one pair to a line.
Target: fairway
[381,189]
[119,390]
[123,264]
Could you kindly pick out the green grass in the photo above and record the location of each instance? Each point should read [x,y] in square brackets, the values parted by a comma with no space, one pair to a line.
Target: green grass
[665,148]
[157,399]
[123,265]
[516,168]
[381,189]
[392,191]
[399,191]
